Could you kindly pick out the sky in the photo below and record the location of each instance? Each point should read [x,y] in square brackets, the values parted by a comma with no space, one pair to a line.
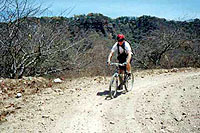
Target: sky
[168,9]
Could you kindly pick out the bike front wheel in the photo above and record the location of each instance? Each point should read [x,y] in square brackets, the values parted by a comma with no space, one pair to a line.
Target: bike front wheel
[129,83]
[113,86]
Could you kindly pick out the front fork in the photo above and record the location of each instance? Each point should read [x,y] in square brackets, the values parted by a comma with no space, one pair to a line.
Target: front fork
[122,80]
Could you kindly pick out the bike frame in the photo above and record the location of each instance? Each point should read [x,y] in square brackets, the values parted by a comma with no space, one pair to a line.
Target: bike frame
[116,74]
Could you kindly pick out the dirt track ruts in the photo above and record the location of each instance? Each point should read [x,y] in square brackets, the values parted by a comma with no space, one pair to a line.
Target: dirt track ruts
[166,102]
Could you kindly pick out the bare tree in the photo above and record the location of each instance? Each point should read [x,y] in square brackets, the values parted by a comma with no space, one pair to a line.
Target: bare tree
[31,47]
[150,50]
[13,16]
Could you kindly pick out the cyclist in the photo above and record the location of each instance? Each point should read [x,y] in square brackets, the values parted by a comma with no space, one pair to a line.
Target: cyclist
[124,53]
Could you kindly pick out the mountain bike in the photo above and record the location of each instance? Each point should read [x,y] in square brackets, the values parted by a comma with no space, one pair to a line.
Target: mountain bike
[120,81]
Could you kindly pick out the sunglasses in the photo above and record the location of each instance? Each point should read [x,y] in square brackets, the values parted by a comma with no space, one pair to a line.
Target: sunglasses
[120,40]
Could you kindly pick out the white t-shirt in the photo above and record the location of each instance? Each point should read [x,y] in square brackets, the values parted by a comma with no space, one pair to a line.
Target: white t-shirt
[121,50]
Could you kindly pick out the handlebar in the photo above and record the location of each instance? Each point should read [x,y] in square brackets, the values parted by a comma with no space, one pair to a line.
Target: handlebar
[118,64]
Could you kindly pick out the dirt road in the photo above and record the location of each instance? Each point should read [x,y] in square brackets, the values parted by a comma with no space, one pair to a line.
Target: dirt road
[164,101]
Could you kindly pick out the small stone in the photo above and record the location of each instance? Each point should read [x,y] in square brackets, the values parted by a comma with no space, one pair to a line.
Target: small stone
[174,70]
[57,80]
[18,107]
[58,90]
[112,122]
[166,71]
[162,130]
[18,95]
[176,119]
[45,116]
[183,113]
[61,93]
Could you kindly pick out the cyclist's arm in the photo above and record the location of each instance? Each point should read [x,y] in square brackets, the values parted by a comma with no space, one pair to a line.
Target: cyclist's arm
[110,57]
[114,48]
[128,49]
[129,57]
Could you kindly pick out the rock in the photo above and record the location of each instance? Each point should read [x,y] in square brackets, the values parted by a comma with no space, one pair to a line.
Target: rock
[174,70]
[112,122]
[178,119]
[18,107]
[78,89]
[166,71]
[151,118]
[5,90]
[184,114]
[57,80]
[58,90]
[45,116]
[19,95]
[61,93]
[162,130]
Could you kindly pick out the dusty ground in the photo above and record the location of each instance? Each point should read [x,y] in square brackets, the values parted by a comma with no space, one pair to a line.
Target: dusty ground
[161,101]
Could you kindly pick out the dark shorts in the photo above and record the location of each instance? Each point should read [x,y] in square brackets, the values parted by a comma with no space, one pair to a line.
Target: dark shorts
[122,58]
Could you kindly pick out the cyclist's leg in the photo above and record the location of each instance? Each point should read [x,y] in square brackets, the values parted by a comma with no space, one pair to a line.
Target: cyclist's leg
[128,67]
[121,71]
[121,59]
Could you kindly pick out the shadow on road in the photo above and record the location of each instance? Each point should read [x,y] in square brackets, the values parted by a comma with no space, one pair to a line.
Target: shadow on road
[106,93]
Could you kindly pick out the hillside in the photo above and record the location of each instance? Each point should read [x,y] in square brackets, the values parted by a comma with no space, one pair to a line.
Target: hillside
[81,43]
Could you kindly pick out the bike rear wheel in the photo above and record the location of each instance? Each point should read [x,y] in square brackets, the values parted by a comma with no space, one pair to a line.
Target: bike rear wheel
[129,83]
[113,86]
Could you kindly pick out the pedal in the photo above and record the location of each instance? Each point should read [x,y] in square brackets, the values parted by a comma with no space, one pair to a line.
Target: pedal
[120,87]
[129,76]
